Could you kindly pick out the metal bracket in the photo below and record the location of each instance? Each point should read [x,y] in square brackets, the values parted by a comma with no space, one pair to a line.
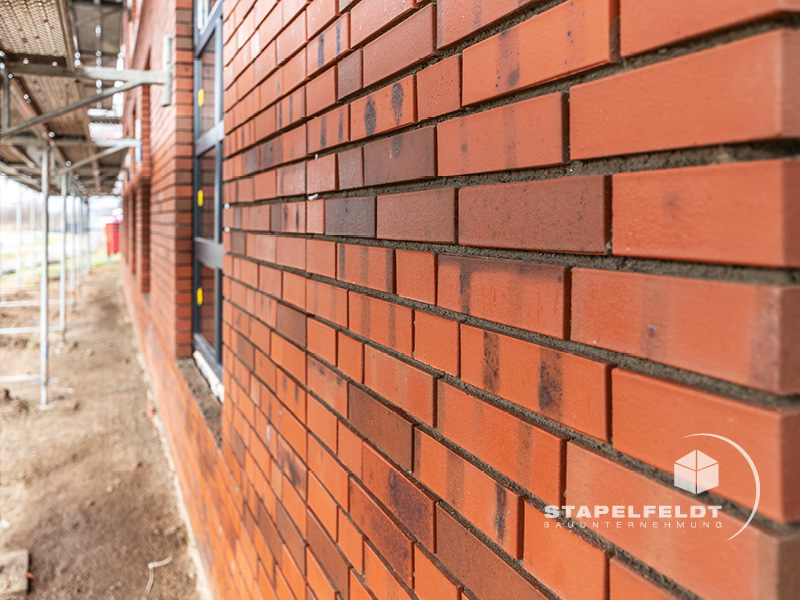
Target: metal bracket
[168,68]
[89,73]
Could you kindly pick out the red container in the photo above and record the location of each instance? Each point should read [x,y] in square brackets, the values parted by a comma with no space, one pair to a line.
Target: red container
[112,238]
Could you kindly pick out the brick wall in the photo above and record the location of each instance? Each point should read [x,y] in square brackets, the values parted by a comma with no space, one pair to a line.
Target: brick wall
[161,183]
[482,257]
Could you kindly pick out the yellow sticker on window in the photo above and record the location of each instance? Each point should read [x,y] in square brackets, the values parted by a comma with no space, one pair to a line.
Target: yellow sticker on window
[201,97]
[199,296]
[199,197]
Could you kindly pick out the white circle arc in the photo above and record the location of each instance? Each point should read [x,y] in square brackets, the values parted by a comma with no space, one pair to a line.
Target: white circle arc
[752,467]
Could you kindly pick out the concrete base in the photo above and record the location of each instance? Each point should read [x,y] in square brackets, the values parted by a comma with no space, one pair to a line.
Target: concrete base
[14,567]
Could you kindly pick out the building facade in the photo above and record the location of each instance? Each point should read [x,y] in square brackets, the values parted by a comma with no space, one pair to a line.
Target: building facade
[408,275]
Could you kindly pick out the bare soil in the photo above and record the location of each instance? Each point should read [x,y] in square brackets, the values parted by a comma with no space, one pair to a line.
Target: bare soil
[85,485]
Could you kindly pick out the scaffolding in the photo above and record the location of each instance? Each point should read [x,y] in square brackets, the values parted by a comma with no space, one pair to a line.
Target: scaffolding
[76,261]
[56,82]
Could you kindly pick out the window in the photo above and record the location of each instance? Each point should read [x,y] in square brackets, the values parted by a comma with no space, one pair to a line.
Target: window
[207,221]
[204,12]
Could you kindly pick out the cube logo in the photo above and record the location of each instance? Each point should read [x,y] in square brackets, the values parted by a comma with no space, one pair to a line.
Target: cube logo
[696,472]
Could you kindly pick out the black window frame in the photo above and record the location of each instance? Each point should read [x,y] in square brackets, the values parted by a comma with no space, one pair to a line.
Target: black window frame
[207,252]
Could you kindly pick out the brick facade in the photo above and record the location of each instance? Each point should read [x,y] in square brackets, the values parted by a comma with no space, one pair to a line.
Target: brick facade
[482,257]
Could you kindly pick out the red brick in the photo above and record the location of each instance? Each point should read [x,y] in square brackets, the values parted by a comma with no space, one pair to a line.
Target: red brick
[704,213]
[560,215]
[382,426]
[429,581]
[293,573]
[564,387]
[381,531]
[321,174]
[323,504]
[416,275]
[528,455]
[366,266]
[327,301]
[351,541]
[402,157]
[321,340]
[317,579]
[648,24]
[757,562]
[349,451]
[425,216]
[351,356]
[291,38]
[292,180]
[294,289]
[289,357]
[321,421]
[379,579]
[722,329]
[439,88]
[401,384]
[353,217]
[527,295]
[291,324]
[329,45]
[554,555]
[626,583]
[514,136]
[321,257]
[436,342]
[350,78]
[289,217]
[469,559]
[388,108]
[290,8]
[404,45]
[321,91]
[452,23]
[491,507]
[569,38]
[383,323]
[370,16]
[291,109]
[767,435]
[291,252]
[318,14]
[329,129]
[717,96]
[327,384]
[261,247]
[351,168]
[357,589]
[409,504]
[328,470]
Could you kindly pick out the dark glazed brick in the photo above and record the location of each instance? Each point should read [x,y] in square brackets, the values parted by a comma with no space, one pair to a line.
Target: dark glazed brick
[292,324]
[328,554]
[408,503]
[350,216]
[426,216]
[375,421]
[559,215]
[392,543]
[470,560]
[402,157]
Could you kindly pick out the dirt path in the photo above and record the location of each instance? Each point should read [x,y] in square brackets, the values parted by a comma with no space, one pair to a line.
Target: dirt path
[87,489]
